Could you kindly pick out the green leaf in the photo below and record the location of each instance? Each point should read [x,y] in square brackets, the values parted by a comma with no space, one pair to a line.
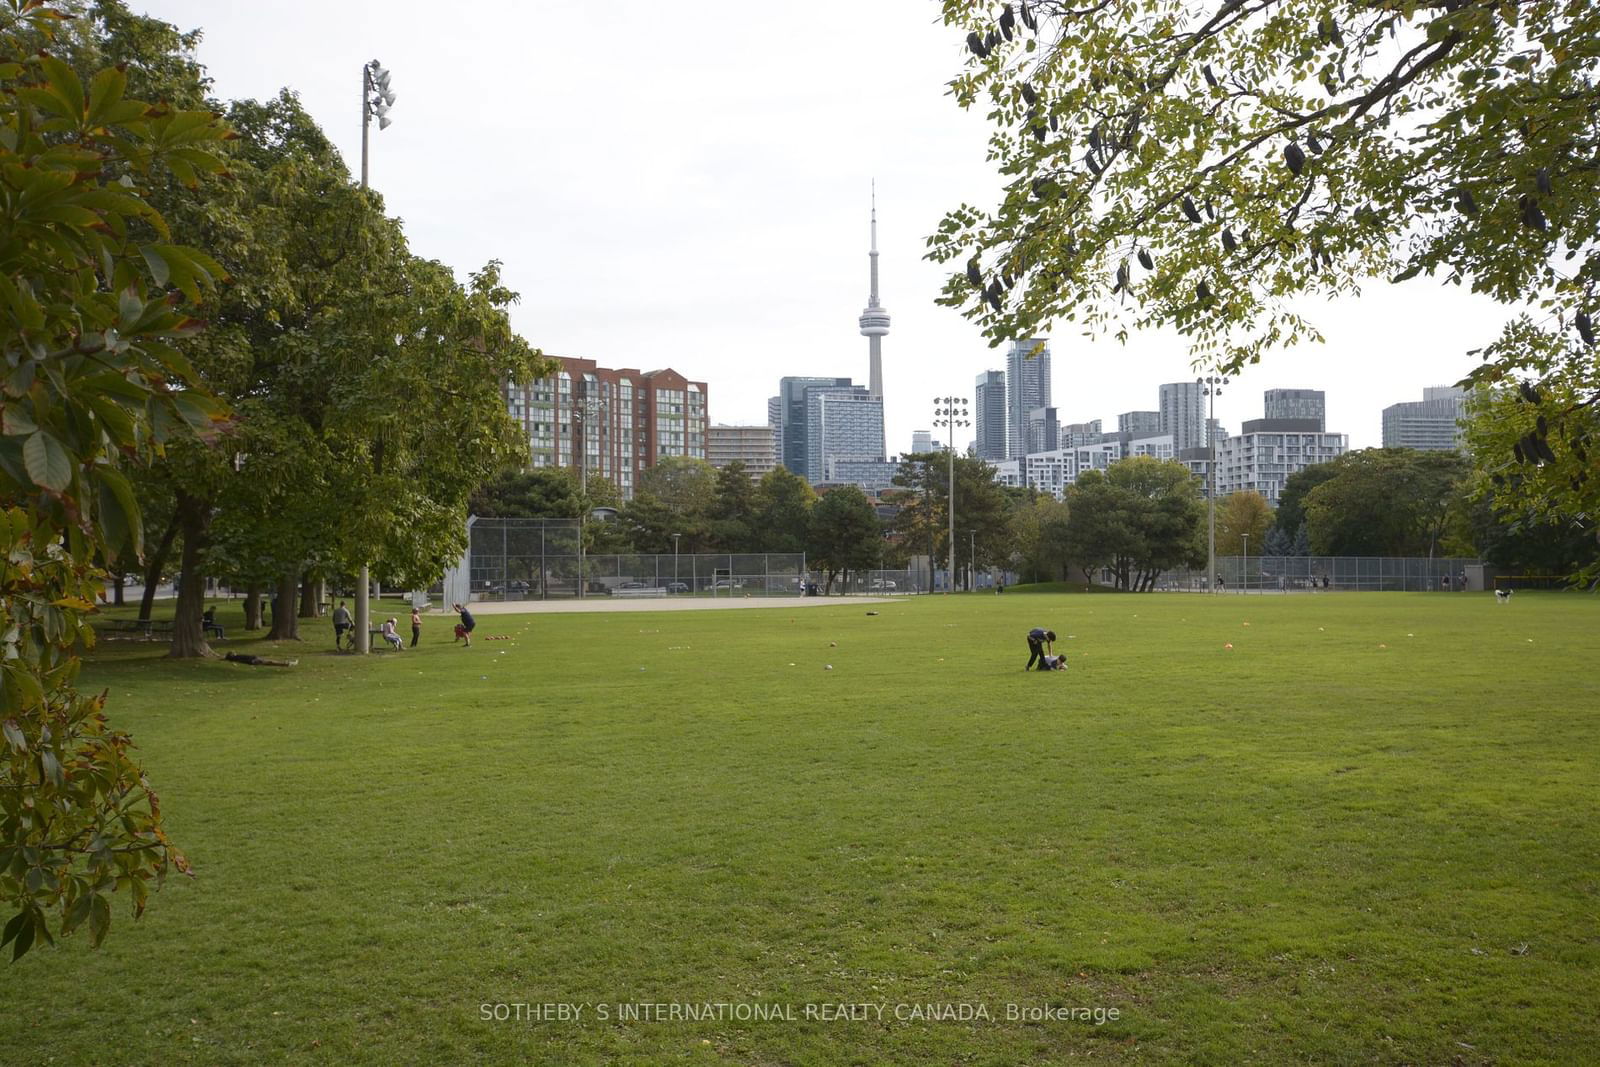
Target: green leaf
[48,463]
[158,263]
[16,421]
[23,935]
[13,735]
[14,928]
[105,90]
[119,510]
[99,919]
[64,82]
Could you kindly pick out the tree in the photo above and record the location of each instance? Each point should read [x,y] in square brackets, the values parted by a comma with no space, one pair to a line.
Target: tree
[1384,502]
[92,378]
[1241,515]
[1039,533]
[844,534]
[983,511]
[544,492]
[732,516]
[1291,514]
[783,511]
[1545,496]
[687,486]
[1196,166]
[1140,517]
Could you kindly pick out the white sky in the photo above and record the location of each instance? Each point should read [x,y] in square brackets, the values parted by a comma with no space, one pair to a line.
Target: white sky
[686,185]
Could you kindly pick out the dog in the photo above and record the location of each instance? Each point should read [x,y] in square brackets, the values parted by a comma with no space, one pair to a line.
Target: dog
[1503,596]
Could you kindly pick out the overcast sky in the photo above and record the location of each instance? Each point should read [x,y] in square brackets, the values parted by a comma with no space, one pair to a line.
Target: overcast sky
[687,185]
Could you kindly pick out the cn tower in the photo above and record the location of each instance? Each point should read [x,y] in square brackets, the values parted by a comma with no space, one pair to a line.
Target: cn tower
[875,319]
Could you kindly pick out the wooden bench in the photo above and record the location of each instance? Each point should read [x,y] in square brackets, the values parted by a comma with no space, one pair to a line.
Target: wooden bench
[144,627]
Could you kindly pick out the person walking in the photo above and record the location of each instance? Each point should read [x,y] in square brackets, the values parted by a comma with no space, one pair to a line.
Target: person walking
[1038,639]
[341,623]
[416,625]
[465,627]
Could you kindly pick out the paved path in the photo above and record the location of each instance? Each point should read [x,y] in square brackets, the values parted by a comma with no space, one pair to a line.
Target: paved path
[687,603]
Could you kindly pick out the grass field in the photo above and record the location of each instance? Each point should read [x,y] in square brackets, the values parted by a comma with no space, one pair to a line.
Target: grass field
[1308,848]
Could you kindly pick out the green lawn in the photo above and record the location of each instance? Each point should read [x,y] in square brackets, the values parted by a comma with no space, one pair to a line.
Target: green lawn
[1306,848]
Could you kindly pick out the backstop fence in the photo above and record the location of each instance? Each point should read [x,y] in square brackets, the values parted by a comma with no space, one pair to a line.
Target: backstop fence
[1287,574]
[542,559]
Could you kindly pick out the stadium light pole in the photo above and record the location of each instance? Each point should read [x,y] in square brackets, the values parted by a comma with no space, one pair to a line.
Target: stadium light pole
[1244,576]
[674,563]
[376,99]
[953,414]
[1210,386]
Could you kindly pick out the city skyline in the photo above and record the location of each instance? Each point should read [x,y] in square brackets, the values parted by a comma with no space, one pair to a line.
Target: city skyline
[719,232]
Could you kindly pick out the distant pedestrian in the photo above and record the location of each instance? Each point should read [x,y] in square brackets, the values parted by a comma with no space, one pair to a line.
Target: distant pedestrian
[1040,643]
[416,626]
[390,634]
[465,627]
[341,623]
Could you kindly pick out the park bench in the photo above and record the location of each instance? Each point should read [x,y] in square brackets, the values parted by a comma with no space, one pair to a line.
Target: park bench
[654,590]
[144,627]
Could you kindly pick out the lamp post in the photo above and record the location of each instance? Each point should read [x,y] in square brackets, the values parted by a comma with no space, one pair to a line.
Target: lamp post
[951,415]
[1210,386]
[376,99]
[583,413]
[674,562]
[972,560]
[1244,575]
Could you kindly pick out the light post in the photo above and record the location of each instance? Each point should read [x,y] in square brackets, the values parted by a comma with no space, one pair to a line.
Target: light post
[674,563]
[951,415]
[1244,574]
[583,413]
[972,560]
[376,99]
[1210,386]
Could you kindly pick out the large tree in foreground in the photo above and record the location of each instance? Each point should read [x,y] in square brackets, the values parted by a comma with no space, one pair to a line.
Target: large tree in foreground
[1199,166]
[91,378]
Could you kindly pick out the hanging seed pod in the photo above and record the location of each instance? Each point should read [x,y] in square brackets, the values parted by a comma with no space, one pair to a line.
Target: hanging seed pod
[1541,447]
[1585,327]
[1094,139]
[1038,133]
[1190,210]
[1009,280]
[1124,276]
[973,275]
[1028,19]
[1464,202]
[1228,243]
[1530,395]
[991,39]
[1314,142]
[1007,22]
[1334,34]
[1146,260]
[1203,292]
[1543,179]
[1543,426]
[1038,187]
[1294,157]
[975,43]
[994,302]
[1094,165]
[1211,79]
[1327,258]
[1029,95]
[1532,216]
[1055,125]
[1516,450]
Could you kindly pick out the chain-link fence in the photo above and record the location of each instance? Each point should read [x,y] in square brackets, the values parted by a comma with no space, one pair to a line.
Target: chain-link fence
[1289,574]
[541,559]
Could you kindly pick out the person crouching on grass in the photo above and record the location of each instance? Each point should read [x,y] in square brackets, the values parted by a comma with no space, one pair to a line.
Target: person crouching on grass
[1053,663]
[465,627]
[1038,639]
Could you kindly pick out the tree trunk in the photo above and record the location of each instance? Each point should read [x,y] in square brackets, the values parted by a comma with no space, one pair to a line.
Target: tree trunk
[154,566]
[308,597]
[252,606]
[188,635]
[116,589]
[285,626]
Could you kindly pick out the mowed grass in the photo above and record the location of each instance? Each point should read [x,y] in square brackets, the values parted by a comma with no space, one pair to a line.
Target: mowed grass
[1306,848]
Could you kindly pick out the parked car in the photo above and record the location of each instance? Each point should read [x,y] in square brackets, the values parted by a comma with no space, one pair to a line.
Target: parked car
[883,584]
[677,587]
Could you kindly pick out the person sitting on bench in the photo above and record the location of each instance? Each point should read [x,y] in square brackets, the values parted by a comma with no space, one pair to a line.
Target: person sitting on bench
[390,635]
[208,623]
